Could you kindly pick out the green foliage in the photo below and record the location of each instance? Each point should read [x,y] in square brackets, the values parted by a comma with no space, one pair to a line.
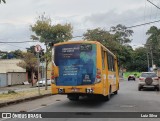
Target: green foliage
[18,54]
[121,34]
[31,49]
[138,61]
[126,74]
[29,61]
[154,36]
[11,92]
[46,32]
[153,44]
[2,1]
[115,41]
[99,35]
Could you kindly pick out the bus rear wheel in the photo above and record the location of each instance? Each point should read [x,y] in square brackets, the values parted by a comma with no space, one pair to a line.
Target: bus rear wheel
[116,92]
[73,97]
[108,97]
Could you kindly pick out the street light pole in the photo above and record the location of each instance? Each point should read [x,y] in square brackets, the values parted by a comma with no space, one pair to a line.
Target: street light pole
[151,56]
[38,73]
[148,60]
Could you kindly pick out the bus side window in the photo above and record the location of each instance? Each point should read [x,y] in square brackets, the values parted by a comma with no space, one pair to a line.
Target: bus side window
[111,61]
[103,57]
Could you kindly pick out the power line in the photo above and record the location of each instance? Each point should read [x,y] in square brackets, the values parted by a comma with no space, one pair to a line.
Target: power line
[132,26]
[143,24]
[18,42]
[153,4]
[77,36]
[15,46]
[82,36]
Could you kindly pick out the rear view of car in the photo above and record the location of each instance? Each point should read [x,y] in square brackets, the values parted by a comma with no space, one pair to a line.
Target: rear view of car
[148,80]
[42,82]
[131,77]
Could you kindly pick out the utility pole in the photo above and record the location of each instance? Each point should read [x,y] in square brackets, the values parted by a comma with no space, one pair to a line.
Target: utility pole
[38,49]
[38,72]
[151,56]
[148,60]
[46,86]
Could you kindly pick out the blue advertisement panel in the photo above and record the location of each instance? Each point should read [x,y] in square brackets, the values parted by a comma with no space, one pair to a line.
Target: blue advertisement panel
[77,64]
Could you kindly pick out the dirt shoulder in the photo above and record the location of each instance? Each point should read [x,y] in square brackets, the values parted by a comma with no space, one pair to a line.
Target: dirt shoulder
[19,96]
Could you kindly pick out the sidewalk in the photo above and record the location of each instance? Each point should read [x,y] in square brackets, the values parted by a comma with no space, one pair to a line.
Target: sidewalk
[16,88]
[20,93]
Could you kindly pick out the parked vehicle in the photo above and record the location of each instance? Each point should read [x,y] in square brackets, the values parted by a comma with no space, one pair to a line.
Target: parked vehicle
[131,77]
[149,80]
[42,82]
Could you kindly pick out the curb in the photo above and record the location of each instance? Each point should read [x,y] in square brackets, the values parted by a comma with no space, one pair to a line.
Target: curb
[22,100]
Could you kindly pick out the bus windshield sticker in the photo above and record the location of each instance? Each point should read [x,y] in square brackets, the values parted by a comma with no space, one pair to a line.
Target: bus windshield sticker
[86,47]
[77,65]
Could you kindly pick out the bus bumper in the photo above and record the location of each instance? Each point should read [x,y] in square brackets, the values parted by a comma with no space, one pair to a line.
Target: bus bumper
[85,89]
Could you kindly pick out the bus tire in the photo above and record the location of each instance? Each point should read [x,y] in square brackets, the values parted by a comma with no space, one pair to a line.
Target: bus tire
[73,97]
[116,92]
[108,97]
[139,88]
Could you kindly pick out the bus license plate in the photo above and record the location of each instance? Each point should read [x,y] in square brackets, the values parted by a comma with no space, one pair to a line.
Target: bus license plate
[75,90]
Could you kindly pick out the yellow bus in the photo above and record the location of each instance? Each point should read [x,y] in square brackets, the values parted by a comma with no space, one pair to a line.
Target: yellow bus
[84,68]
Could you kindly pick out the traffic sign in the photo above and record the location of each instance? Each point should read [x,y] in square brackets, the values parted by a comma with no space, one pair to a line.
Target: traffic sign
[37,48]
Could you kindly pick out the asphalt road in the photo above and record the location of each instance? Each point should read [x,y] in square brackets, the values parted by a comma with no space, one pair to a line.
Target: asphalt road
[128,99]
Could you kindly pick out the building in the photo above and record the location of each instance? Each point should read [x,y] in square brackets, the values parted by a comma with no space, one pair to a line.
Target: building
[10,73]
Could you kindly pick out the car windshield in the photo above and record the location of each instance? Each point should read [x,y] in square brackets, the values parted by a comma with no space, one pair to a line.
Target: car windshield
[131,75]
[148,75]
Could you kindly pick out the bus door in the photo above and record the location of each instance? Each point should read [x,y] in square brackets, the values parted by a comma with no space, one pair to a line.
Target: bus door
[104,71]
[111,71]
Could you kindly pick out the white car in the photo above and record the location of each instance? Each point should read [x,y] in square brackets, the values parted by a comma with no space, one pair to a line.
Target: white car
[148,80]
[42,82]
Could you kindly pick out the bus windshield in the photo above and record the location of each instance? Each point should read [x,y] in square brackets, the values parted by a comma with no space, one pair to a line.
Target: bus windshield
[77,64]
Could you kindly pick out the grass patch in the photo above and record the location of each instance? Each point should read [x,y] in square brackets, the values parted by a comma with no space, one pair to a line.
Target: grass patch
[126,74]
[12,95]
[11,92]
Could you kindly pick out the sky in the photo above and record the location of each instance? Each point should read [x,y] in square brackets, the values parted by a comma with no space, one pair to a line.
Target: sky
[16,17]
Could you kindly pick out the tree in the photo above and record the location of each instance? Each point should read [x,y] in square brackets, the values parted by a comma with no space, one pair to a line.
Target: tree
[47,33]
[109,40]
[99,35]
[3,54]
[153,43]
[2,1]
[139,60]
[29,63]
[31,49]
[154,37]
[18,54]
[121,34]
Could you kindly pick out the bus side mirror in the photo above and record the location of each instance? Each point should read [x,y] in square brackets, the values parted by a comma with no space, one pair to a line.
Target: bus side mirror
[56,71]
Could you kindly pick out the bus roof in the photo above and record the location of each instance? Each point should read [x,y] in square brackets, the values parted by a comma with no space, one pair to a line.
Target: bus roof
[83,41]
